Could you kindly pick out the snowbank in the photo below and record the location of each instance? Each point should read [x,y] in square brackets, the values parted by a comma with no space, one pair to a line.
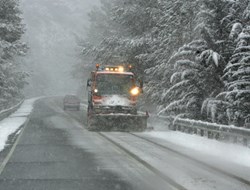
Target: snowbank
[11,124]
[224,151]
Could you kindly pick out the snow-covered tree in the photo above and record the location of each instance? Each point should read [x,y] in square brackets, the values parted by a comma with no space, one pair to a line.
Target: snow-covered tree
[225,108]
[237,76]
[125,34]
[183,22]
[11,30]
[193,81]
[174,28]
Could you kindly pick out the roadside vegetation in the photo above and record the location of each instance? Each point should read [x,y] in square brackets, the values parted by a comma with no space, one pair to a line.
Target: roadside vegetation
[194,55]
[12,80]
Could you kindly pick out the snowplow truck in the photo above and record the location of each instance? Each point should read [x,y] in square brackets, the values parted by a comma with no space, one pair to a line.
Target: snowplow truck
[112,100]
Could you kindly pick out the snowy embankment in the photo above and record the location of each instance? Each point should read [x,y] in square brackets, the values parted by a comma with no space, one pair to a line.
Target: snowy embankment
[193,144]
[11,124]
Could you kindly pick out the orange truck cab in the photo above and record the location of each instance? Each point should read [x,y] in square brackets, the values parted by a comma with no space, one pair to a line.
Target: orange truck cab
[112,90]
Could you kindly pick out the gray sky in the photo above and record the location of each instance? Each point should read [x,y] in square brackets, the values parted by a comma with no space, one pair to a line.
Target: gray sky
[51,29]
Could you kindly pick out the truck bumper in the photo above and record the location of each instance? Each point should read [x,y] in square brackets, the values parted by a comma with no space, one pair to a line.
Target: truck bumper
[117,122]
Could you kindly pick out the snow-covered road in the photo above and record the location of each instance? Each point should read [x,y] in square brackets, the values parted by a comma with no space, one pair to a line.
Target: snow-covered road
[184,169]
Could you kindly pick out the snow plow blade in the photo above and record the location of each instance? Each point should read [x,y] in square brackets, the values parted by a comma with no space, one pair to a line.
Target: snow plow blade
[117,122]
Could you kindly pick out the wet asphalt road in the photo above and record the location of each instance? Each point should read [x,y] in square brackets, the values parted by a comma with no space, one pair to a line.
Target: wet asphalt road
[56,152]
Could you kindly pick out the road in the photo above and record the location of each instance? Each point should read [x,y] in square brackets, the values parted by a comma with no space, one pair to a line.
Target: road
[55,151]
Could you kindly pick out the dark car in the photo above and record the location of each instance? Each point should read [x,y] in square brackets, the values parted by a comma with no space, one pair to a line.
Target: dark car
[72,102]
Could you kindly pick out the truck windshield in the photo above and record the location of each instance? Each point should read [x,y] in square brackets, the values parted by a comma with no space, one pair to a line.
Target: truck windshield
[114,84]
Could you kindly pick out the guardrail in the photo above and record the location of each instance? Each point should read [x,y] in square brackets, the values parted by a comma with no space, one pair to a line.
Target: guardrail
[7,112]
[210,130]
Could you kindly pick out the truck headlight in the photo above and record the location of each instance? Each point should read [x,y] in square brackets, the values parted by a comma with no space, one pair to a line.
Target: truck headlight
[96,90]
[135,91]
[121,69]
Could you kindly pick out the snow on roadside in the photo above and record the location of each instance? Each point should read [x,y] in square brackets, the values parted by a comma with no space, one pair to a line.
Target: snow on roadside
[225,151]
[11,124]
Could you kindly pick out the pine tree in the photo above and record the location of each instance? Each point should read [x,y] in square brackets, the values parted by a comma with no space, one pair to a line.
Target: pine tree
[126,32]
[208,24]
[237,76]
[193,81]
[11,30]
[174,28]
[223,108]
